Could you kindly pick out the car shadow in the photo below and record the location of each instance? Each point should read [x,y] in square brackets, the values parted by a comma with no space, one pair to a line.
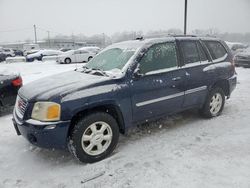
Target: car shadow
[58,157]
[166,123]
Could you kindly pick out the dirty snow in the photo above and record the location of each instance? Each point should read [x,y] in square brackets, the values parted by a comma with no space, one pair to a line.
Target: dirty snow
[183,150]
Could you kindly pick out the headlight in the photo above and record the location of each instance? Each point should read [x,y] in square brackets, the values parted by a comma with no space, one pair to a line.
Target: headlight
[46,111]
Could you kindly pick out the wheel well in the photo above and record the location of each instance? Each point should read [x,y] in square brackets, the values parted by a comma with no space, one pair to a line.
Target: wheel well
[110,109]
[223,84]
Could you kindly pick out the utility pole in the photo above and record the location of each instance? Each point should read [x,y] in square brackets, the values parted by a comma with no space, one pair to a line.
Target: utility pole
[35,34]
[103,39]
[48,37]
[185,18]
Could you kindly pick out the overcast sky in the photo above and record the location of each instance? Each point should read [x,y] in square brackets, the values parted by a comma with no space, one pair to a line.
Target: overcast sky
[109,16]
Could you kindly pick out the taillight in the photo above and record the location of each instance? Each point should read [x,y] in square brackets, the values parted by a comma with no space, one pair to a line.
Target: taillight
[17,82]
[233,65]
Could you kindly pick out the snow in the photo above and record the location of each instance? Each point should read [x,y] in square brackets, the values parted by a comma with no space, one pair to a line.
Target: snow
[15,59]
[183,150]
[45,52]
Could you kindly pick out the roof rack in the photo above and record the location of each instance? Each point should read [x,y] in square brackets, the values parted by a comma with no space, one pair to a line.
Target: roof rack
[139,38]
[182,35]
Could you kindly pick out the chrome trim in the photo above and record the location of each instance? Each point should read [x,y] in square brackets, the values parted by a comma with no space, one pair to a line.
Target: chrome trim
[171,96]
[41,123]
[196,89]
[159,99]
[162,71]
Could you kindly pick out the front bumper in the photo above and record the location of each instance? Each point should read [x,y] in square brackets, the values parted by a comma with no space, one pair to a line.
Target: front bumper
[46,135]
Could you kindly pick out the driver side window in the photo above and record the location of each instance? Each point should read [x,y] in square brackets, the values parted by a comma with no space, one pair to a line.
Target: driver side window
[158,58]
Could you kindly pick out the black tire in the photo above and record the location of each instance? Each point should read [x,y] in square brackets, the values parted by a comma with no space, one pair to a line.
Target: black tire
[67,60]
[76,146]
[206,109]
[90,58]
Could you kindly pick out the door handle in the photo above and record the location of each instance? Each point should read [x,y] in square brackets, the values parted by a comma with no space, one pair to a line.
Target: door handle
[176,78]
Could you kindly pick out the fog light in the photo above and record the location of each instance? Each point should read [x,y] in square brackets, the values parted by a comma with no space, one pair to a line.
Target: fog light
[49,127]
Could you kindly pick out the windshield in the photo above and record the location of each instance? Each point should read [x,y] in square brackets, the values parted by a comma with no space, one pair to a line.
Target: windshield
[114,58]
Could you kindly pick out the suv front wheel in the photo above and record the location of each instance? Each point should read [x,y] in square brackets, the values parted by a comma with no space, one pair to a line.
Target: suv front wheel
[94,137]
[214,103]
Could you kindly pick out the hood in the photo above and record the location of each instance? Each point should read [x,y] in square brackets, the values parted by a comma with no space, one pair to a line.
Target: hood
[59,85]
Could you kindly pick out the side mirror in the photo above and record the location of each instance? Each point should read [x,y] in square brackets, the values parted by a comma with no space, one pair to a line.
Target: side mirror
[137,73]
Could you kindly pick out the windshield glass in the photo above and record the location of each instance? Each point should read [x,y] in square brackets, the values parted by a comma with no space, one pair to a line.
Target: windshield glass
[114,58]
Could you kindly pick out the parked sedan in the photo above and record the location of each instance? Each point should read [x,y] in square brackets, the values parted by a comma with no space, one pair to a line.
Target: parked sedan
[76,56]
[93,49]
[9,86]
[40,54]
[243,58]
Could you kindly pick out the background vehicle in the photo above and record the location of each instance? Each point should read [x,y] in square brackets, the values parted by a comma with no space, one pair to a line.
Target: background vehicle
[29,48]
[76,56]
[25,53]
[236,47]
[18,52]
[2,57]
[243,58]
[93,49]
[9,86]
[40,54]
[8,52]
[65,49]
[126,84]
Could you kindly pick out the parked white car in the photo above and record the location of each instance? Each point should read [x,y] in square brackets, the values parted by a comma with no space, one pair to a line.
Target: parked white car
[42,53]
[91,49]
[76,56]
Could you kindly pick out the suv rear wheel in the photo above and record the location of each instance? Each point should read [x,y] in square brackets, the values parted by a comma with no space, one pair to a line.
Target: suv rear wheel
[214,103]
[94,137]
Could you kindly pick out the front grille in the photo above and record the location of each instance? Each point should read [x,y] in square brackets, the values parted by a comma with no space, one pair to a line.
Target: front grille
[21,105]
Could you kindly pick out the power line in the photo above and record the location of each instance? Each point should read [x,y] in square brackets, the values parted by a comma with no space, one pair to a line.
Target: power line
[15,30]
[46,30]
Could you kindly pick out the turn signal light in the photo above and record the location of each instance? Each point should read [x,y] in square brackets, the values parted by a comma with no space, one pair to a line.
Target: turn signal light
[17,82]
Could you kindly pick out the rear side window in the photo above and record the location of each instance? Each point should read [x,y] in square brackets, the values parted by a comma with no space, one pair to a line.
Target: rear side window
[203,56]
[216,49]
[190,52]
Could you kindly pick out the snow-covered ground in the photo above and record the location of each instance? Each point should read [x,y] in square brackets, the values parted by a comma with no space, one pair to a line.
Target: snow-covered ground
[184,150]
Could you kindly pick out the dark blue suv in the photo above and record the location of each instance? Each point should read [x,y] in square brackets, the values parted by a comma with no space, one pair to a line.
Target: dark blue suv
[127,83]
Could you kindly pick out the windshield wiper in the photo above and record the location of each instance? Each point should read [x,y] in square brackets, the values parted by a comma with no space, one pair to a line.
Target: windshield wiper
[86,69]
[100,71]
[96,70]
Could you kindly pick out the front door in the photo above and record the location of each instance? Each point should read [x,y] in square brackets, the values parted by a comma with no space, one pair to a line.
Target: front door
[160,88]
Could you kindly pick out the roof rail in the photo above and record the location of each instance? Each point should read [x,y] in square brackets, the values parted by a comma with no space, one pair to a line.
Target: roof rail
[182,35]
[139,38]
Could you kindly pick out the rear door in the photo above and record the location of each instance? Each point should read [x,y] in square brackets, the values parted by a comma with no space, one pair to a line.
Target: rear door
[76,56]
[160,89]
[197,79]
[83,56]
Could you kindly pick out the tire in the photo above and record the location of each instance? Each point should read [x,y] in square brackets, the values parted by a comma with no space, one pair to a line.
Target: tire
[214,103]
[67,60]
[95,147]
[90,58]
